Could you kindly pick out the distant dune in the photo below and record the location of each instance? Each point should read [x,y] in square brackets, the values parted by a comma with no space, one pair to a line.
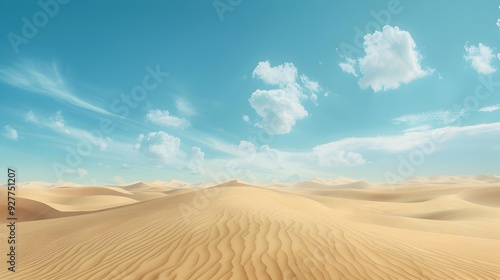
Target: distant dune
[422,228]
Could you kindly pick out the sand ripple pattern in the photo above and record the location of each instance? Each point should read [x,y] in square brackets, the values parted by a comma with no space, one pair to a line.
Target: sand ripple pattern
[241,233]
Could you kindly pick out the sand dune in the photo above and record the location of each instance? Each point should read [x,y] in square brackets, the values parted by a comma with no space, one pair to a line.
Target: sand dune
[177,184]
[83,191]
[236,183]
[31,210]
[150,187]
[489,196]
[37,184]
[319,183]
[478,179]
[79,198]
[239,231]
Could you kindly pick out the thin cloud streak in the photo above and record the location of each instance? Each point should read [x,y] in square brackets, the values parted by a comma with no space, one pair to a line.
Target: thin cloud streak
[45,80]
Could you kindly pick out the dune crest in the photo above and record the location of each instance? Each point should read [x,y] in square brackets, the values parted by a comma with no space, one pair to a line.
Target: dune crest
[314,230]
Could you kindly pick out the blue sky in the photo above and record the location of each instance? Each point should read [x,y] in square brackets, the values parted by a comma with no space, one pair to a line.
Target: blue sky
[106,92]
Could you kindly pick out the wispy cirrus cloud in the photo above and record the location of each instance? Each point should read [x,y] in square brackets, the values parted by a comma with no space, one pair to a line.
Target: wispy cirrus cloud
[58,124]
[45,79]
[184,107]
[418,128]
[408,140]
[10,133]
[348,66]
[439,116]
[30,117]
[491,108]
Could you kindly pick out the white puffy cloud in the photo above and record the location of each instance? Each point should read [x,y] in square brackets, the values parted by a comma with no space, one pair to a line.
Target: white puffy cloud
[10,132]
[481,58]
[348,66]
[283,74]
[326,157]
[280,108]
[440,116]
[158,145]
[246,118]
[391,59]
[163,117]
[196,161]
[491,108]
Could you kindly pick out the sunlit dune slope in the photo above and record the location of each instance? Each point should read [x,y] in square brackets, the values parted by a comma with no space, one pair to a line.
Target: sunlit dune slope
[245,232]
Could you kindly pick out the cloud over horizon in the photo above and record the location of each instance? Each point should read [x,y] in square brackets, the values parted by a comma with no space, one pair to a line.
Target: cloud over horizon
[158,145]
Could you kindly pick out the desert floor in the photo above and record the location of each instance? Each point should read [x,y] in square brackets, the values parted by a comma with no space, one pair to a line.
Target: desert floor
[421,228]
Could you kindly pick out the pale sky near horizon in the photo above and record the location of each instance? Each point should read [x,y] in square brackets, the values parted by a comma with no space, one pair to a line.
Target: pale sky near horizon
[107,92]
